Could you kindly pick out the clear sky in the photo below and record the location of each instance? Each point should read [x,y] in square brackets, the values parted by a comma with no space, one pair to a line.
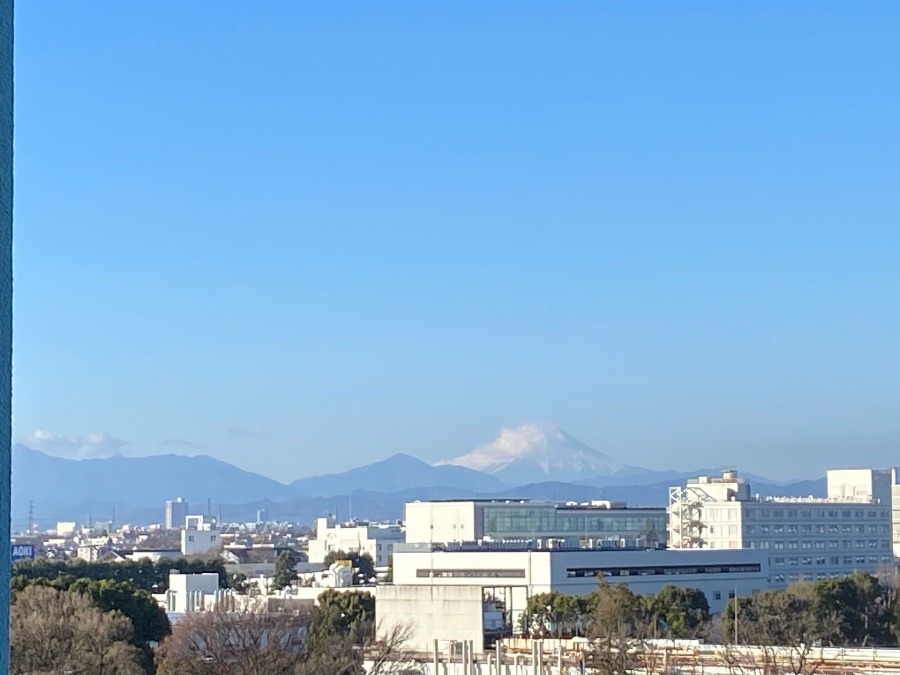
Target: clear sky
[303,236]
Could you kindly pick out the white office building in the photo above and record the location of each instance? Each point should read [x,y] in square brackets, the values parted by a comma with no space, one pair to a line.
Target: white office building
[805,538]
[592,525]
[376,539]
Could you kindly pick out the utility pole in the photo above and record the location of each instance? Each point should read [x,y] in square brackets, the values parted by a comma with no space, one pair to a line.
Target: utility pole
[735,616]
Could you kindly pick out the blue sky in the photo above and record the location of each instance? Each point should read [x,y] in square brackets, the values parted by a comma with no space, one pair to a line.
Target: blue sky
[300,237]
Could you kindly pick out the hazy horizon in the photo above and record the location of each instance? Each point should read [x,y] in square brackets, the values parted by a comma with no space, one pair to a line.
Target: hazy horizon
[302,238]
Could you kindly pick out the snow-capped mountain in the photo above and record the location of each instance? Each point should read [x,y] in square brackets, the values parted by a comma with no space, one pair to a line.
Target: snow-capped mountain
[536,452]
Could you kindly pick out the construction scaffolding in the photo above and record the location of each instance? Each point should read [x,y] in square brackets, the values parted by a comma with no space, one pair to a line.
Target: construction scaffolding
[686,522]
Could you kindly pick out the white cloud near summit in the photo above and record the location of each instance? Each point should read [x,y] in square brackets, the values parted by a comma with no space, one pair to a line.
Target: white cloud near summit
[88,446]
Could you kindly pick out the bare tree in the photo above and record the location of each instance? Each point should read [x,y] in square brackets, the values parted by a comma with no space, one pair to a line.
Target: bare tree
[62,632]
[387,653]
[250,642]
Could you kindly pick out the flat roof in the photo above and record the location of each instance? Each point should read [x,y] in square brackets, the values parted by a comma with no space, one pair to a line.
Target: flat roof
[562,506]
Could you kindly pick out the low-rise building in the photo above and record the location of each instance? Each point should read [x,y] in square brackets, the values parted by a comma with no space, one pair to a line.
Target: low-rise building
[376,539]
[199,537]
[454,592]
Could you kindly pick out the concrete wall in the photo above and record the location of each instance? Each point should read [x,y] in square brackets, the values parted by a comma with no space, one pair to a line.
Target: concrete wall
[6,209]
[200,542]
[432,613]
[441,522]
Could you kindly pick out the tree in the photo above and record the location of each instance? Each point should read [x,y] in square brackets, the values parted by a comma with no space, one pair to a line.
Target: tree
[362,564]
[783,628]
[349,614]
[235,643]
[62,632]
[553,614]
[384,651]
[285,571]
[677,612]
[859,609]
[616,621]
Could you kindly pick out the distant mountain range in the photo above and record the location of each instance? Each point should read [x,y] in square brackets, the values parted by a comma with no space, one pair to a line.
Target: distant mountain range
[538,462]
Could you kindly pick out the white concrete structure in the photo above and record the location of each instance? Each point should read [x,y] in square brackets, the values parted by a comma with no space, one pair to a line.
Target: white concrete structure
[861,484]
[590,525]
[517,574]
[176,513]
[186,591]
[376,539]
[432,613]
[199,537]
[805,538]
[65,528]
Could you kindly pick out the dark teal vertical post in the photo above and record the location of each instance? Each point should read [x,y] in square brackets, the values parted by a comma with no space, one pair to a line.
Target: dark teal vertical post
[6,229]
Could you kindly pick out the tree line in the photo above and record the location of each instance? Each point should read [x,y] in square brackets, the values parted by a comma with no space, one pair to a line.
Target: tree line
[675,612]
[859,610]
[144,574]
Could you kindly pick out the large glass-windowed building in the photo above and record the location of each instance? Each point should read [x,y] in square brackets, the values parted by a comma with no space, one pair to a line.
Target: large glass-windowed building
[542,524]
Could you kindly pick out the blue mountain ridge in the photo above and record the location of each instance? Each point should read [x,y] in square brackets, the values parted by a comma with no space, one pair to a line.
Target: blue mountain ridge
[137,488]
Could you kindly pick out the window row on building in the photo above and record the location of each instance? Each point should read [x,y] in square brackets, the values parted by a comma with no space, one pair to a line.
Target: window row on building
[834,560]
[660,570]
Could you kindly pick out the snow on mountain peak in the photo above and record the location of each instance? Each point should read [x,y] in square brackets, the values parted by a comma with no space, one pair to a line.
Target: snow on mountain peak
[536,452]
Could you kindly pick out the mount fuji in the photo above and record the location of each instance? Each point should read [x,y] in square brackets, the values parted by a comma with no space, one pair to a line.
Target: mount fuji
[532,453]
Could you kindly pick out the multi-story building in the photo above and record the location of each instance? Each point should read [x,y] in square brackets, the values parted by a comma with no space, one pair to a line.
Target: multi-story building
[590,525]
[805,538]
[176,512]
[199,537]
[376,539]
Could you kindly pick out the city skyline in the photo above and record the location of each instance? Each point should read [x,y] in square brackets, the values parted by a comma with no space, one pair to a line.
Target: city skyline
[301,240]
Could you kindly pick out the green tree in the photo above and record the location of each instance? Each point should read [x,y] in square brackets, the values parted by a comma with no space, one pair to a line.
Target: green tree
[362,564]
[350,613]
[677,612]
[858,609]
[285,571]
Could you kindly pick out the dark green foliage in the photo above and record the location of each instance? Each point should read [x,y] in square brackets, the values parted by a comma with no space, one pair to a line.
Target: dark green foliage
[674,612]
[345,613]
[858,610]
[284,569]
[677,612]
[363,565]
[142,574]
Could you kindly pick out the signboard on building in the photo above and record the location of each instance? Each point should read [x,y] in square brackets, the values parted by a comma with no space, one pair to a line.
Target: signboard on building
[22,552]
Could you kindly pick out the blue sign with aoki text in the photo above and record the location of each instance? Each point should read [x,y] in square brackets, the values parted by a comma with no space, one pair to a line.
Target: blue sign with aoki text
[22,552]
